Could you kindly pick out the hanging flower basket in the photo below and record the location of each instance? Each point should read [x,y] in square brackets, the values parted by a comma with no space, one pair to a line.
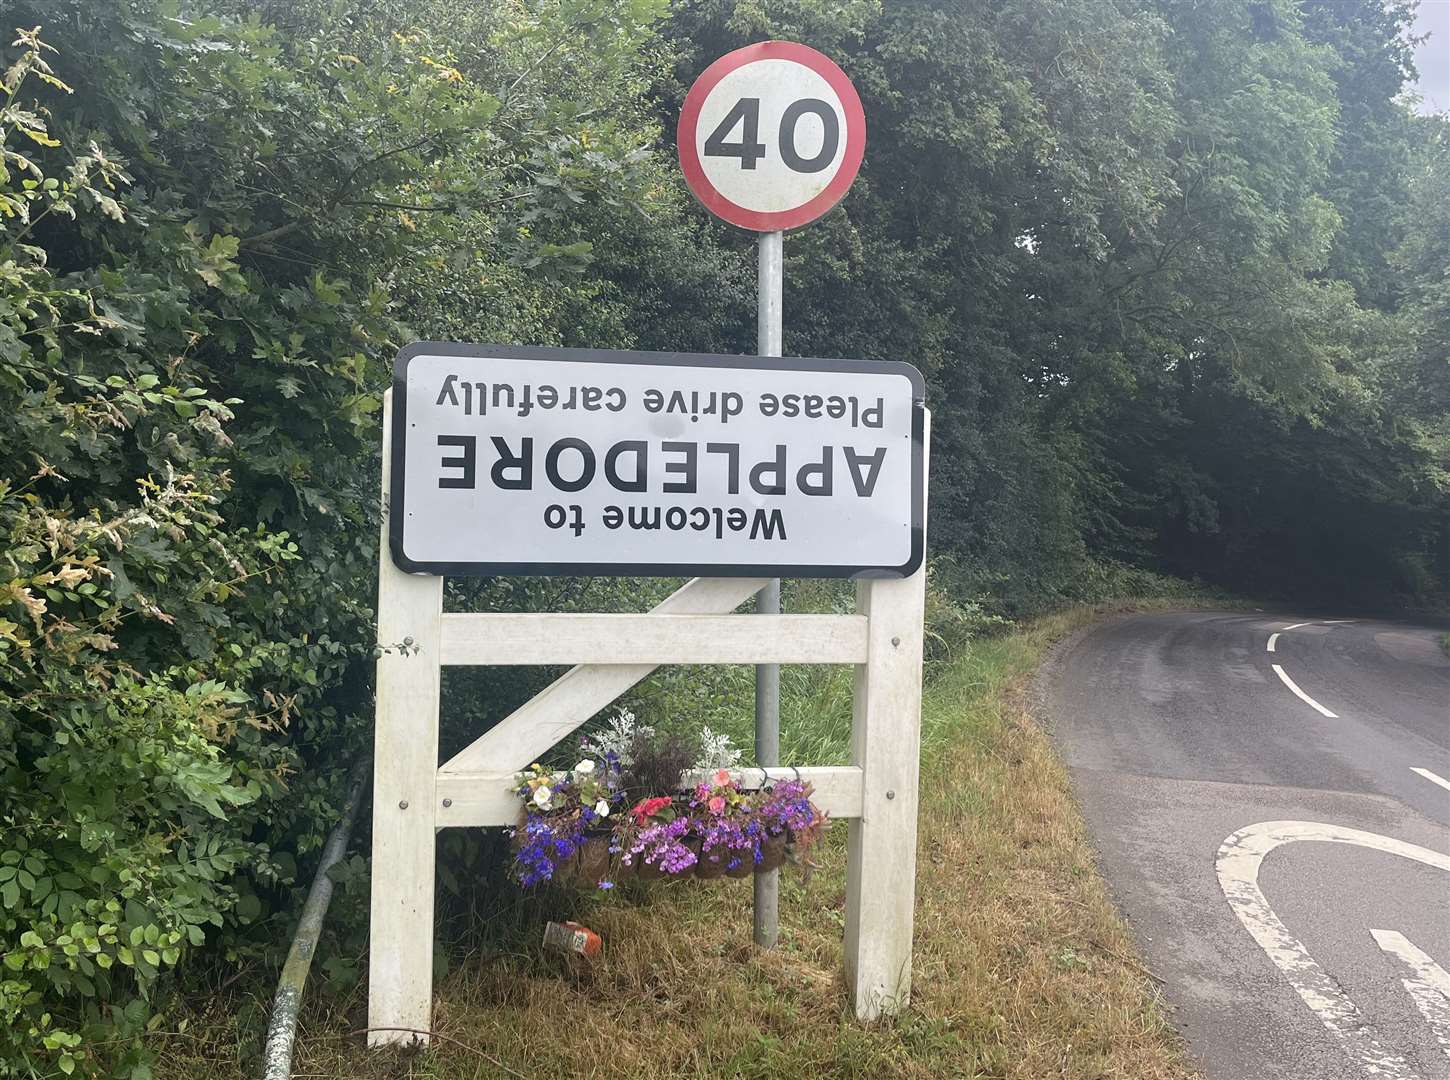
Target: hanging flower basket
[564,834]
[740,864]
[592,862]
[667,862]
[772,853]
[712,864]
[577,828]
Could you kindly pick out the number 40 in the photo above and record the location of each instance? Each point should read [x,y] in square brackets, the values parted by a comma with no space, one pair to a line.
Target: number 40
[746,113]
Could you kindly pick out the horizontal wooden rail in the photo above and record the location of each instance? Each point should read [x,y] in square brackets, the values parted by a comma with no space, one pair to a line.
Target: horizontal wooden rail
[653,639]
[479,799]
[582,691]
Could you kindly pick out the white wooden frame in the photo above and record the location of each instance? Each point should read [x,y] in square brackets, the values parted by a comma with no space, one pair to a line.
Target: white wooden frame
[413,796]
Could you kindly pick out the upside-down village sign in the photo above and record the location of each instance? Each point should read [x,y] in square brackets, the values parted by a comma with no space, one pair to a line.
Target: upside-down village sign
[729,470]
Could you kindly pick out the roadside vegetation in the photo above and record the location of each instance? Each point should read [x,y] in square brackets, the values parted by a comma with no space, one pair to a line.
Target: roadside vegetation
[1173,272]
[1022,967]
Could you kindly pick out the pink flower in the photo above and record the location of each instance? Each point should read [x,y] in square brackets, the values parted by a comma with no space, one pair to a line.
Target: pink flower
[722,777]
[717,804]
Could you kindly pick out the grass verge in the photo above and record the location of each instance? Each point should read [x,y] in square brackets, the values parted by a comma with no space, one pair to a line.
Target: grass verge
[1022,967]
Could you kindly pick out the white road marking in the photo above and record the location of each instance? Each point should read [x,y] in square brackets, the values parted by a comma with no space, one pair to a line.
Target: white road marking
[1428,775]
[1337,622]
[1300,693]
[1297,625]
[1239,859]
[1272,638]
[1427,983]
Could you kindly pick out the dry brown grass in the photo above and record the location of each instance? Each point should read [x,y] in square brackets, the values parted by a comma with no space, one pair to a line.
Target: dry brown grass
[1023,969]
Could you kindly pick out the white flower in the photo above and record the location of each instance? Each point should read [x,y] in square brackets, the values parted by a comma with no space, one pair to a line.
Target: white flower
[584,768]
[716,752]
[601,808]
[542,795]
[617,737]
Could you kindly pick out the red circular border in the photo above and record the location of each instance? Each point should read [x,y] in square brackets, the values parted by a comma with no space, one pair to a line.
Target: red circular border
[757,220]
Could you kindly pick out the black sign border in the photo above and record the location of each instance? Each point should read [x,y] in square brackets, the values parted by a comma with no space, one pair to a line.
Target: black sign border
[655,359]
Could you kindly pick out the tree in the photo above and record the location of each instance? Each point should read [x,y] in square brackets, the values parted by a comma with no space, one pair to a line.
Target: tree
[266,204]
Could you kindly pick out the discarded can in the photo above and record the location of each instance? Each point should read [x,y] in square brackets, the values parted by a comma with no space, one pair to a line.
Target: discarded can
[572,937]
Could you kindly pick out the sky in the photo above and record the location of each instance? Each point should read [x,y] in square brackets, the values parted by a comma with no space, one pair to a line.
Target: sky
[1432,57]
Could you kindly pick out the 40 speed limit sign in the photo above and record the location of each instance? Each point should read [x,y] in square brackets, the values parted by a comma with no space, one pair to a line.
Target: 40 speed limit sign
[771,136]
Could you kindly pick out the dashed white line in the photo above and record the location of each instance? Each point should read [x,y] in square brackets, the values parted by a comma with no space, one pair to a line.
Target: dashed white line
[1239,859]
[1272,638]
[1293,686]
[1428,775]
[1296,626]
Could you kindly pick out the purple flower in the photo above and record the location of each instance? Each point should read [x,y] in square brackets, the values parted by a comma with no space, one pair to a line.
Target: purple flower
[546,844]
[787,808]
[660,845]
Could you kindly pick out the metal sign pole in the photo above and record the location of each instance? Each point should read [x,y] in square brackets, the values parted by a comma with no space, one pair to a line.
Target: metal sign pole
[767,676]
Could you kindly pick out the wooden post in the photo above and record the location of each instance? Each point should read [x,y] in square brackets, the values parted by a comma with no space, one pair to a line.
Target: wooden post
[886,745]
[405,756]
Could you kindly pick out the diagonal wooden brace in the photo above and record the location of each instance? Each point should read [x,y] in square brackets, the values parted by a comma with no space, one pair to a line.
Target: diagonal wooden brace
[574,697]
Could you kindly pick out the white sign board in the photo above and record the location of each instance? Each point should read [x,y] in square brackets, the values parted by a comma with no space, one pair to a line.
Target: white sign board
[512,460]
[770,136]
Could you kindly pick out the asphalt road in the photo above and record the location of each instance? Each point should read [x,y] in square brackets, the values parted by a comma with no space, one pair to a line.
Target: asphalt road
[1180,735]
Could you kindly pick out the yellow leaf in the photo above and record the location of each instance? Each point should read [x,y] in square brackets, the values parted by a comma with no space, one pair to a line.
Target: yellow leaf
[69,576]
[38,136]
[34,606]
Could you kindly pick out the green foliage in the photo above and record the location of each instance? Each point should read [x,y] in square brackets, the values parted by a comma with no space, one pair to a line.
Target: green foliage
[1175,272]
[127,787]
[212,230]
[1151,256]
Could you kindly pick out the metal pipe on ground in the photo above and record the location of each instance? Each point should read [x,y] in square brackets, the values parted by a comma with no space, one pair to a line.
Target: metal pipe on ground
[282,1030]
